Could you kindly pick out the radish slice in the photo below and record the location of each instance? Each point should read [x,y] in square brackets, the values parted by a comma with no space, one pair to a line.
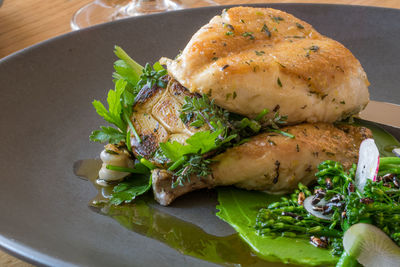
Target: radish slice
[371,246]
[309,207]
[368,163]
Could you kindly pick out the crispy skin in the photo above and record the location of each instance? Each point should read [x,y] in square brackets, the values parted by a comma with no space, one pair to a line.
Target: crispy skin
[276,164]
[245,51]
[156,118]
[272,162]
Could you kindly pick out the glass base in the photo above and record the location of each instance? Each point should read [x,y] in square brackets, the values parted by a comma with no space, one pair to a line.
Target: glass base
[101,11]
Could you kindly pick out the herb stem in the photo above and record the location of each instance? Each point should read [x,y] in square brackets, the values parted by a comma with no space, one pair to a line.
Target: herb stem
[132,128]
[282,133]
[389,160]
[124,169]
[147,163]
[177,163]
[128,141]
[262,114]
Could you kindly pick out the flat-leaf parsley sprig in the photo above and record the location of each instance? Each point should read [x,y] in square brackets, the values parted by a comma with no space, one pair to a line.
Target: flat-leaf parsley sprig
[129,78]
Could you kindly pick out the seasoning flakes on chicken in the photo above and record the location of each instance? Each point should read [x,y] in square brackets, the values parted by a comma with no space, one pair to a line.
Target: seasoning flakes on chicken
[249,59]
[271,162]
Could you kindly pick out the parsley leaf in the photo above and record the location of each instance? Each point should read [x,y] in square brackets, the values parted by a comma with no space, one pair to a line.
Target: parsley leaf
[129,189]
[200,142]
[107,134]
[174,151]
[136,68]
[204,141]
[113,115]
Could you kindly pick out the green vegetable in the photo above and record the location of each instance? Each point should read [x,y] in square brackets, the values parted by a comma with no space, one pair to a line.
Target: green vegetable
[347,260]
[152,76]
[124,169]
[236,207]
[201,142]
[186,160]
[130,188]
[107,135]
[239,208]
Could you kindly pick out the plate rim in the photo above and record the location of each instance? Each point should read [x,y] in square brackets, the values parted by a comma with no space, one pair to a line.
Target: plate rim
[30,254]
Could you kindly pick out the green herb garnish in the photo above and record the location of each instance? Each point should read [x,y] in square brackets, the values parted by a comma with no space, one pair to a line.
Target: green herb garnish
[248,34]
[266,30]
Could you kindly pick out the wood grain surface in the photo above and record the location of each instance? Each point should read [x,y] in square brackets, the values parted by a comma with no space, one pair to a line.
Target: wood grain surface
[27,22]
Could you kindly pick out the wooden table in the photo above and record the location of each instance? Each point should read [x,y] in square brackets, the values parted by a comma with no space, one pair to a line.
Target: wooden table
[27,22]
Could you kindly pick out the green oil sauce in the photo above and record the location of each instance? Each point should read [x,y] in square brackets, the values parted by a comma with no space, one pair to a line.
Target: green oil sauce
[390,148]
[142,218]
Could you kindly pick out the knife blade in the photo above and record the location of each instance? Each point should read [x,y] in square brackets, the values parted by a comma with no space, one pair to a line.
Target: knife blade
[382,112]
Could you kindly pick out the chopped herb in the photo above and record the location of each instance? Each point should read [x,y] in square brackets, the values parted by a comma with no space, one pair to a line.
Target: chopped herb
[277,19]
[229,33]
[214,58]
[229,26]
[224,67]
[234,95]
[279,82]
[248,34]
[314,48]
[299,26]
[295,36]
[242,21]
[297,148]
[266,30]
[259,53]
[281,65]
[339,69]
[342,102]
[283,133]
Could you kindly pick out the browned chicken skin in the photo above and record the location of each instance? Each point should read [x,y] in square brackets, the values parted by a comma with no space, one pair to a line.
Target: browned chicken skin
[247,60]
[268,57]
[272,162]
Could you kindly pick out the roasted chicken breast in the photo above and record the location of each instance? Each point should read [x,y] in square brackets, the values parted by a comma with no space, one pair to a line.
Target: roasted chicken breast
[249,59]
[272,162]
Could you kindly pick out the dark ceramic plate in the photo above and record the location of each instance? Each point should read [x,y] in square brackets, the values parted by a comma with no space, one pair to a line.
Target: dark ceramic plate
[46,117]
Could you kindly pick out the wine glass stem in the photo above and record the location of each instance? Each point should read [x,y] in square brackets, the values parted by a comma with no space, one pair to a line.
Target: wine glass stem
[150,6]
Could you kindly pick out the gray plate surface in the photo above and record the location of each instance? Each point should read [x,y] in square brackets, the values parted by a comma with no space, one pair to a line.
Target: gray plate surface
[46,117]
